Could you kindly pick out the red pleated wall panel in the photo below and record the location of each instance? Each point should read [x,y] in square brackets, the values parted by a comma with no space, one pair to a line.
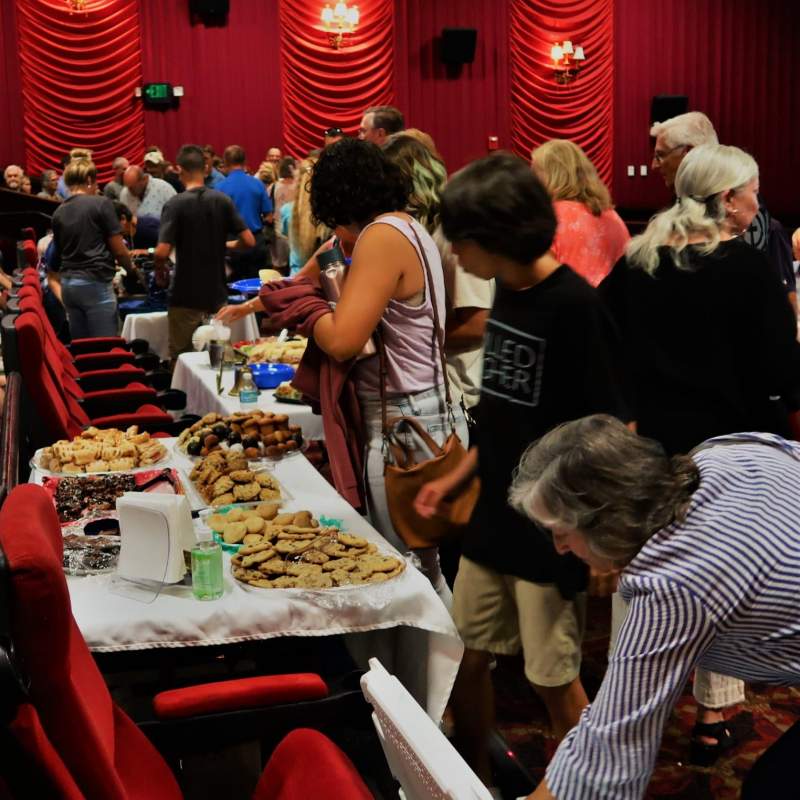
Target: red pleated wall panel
[459,106]
[323,86]
[542,109]
[79,71]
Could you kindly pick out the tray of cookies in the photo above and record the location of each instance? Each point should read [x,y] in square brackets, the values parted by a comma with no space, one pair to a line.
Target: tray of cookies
[224,477]
[257,434]
[101,450]
[295,552]
[238,525]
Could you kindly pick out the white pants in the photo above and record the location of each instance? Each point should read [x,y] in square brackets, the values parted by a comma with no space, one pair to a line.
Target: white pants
[711,689]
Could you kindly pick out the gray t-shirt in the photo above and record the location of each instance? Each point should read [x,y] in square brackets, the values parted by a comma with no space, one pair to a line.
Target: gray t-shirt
[82,225]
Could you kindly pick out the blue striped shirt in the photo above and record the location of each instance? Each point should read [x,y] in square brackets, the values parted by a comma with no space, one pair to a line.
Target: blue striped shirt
[720,590]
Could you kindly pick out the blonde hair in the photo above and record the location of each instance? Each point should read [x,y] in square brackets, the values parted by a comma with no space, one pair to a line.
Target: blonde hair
[568,174]
[80,154]
[80,171]
[703,176]
[304,234]
[266,170]
[692,130]
[426,173]
[423,138]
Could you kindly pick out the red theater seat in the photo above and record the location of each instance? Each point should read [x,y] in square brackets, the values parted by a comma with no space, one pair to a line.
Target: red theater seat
[69,729]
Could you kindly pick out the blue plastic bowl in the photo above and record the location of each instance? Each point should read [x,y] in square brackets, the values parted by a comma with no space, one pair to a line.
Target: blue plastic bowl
[268,376]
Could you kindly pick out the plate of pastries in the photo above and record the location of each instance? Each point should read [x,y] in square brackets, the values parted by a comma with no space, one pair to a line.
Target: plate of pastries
[253,434]
[225,477]
[273,350]
[101,450]
[292,550]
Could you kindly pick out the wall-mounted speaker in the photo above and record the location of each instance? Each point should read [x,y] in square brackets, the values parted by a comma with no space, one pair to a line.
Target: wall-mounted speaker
[210,12]
[458,45]
[667,106]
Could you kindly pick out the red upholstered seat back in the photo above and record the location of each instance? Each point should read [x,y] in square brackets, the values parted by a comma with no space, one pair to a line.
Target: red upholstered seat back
[67,689]
[308,764]
[105,753]
[30,301]
[51,405]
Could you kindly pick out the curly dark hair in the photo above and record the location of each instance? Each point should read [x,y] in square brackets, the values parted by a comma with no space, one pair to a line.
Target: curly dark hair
[353,182]
[501,205]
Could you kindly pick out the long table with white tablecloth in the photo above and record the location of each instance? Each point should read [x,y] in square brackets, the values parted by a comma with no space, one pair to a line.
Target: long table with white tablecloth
[153,327]
[402,621]
[194,375]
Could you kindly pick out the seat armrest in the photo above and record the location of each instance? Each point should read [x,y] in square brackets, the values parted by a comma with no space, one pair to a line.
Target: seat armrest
[96,344]
[235,695]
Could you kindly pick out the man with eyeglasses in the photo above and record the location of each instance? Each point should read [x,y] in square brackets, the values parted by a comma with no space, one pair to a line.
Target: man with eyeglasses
[675,138]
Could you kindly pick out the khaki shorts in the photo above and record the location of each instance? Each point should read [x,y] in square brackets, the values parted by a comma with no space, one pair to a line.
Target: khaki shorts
[183,322]
[500,613]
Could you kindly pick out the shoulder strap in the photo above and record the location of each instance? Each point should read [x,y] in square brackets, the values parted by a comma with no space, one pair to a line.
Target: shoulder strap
[438,338]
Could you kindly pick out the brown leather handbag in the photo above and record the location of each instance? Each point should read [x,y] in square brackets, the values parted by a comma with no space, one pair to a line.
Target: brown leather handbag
[404,476]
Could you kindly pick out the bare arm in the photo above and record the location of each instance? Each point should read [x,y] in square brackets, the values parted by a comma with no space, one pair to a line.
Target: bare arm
[542,793]
[465,329]
[244,241]
[121,255]
[54,284]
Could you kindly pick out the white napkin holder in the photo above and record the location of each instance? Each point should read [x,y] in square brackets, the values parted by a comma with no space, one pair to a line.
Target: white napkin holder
[155,529]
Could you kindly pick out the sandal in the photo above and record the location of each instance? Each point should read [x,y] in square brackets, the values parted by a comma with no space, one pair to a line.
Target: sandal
[702,754]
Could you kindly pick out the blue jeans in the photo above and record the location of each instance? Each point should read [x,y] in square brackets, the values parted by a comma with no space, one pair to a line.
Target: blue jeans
[91,307]
[429,408]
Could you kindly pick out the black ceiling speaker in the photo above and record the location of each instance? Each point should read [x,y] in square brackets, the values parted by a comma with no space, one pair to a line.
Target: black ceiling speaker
[667,106]
[210,12]
[458,45]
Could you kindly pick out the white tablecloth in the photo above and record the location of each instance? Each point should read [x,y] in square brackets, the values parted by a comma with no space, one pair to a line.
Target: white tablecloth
[153,328]
[402,621]
[194,376]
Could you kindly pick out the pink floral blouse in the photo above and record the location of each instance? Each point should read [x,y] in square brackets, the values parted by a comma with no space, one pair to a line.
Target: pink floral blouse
[590,244]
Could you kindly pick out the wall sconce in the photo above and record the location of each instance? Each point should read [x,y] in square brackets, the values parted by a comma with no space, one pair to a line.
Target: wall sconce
[75,5]
[566,61]
[339,21]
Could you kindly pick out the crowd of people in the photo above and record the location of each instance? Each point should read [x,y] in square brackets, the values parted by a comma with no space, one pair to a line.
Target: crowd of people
[585,373]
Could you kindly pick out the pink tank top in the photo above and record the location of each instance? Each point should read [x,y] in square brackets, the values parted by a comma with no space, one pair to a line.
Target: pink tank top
[413,362]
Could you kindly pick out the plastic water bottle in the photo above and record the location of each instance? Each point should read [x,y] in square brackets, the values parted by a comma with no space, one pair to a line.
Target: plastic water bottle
[207,570]
[248,391]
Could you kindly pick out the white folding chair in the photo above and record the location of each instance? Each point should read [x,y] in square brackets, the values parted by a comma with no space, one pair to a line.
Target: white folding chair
[420,757]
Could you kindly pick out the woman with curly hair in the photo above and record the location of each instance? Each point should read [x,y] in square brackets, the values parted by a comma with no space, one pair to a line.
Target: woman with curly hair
[590,237]
[358,191]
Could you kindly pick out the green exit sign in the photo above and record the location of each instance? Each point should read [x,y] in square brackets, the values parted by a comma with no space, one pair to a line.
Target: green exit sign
[158,94]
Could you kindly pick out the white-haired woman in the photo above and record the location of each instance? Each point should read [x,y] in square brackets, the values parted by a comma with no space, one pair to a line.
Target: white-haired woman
[709,548]
[710,340]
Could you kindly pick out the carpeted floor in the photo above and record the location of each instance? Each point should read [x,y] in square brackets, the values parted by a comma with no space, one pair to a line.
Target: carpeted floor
[768,712]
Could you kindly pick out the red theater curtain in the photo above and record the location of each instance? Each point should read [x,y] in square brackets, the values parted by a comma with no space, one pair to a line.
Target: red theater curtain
[12,148]
[541,109]
[323,86]
[79,71]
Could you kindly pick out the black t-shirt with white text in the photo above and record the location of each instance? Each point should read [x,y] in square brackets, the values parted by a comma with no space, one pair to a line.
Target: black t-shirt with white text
[198,223]
[550,356]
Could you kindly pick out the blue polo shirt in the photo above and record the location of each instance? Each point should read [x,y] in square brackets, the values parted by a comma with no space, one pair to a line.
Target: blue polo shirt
[249,195]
